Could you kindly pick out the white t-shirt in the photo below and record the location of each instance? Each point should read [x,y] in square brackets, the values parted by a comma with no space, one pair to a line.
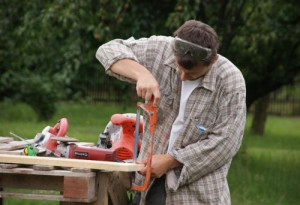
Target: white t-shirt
[187,88]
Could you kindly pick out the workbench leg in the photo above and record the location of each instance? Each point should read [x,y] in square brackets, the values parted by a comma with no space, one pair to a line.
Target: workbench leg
[117,190]
[72,203]
[1,198]
[110,190]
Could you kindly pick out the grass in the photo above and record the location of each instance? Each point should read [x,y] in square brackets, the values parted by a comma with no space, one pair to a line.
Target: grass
[267,168]
[265,171]
[85,121]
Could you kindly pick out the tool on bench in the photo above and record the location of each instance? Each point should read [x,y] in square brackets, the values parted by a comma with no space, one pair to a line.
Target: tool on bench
[123,134]
[30,149]
[151,110]
[59,145]
[119,135]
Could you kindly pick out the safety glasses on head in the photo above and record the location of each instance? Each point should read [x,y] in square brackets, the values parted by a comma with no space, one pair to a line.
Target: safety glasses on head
[183,47]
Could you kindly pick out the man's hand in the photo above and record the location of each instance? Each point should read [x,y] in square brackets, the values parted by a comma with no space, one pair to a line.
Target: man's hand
[146,85]
[161,163]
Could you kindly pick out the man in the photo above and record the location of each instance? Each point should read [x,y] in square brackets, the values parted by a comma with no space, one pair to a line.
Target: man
[201,111]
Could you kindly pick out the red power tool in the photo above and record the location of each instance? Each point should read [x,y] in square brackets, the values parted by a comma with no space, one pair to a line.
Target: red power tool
[124,145]
[57,144]
[119,135]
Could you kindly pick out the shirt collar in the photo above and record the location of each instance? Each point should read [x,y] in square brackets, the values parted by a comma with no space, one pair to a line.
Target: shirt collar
[170,61]
[209,79]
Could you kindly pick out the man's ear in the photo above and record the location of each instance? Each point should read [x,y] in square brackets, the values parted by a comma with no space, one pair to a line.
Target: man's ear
[216,58]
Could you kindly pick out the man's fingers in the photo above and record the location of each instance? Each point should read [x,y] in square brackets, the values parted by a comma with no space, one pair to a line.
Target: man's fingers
[143,171]
[156,97]
[148,89]
[144,161]
[139,91]
[148,96]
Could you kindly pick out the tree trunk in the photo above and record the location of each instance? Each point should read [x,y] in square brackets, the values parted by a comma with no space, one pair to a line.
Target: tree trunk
[260,115]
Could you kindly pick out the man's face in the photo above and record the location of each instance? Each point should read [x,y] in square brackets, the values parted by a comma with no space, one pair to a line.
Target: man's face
[194,73]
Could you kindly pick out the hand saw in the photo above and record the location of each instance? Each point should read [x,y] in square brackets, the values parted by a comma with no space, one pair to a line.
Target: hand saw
[151,110]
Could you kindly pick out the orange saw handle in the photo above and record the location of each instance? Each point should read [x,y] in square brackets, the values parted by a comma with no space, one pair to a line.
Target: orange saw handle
[151,110]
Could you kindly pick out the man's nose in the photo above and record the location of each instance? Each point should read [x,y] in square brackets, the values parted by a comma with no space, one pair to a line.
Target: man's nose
[183,76]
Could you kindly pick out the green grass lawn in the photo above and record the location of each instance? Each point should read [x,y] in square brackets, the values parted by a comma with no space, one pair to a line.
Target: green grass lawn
[265,171]
[267,168]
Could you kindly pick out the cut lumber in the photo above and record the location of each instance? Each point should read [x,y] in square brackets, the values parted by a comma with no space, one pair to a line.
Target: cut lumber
[30,171]
[65,162]
[12,152]
[8,166]
[5,139]
[15,145]
[43,167]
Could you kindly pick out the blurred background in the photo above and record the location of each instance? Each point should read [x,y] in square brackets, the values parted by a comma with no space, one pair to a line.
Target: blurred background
[48,70]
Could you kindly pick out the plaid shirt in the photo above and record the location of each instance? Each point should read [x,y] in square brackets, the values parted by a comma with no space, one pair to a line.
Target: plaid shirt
[217,104]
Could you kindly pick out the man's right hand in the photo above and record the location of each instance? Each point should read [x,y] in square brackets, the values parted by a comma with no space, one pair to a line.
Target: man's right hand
[148,88]
[146,85]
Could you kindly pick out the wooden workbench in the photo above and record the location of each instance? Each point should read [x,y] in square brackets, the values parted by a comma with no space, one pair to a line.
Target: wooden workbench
[70,181]
[66,186]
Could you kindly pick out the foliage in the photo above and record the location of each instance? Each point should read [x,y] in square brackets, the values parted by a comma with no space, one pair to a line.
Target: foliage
[35,90]
[270,48]
[261,38]
[44,46]
[53,42]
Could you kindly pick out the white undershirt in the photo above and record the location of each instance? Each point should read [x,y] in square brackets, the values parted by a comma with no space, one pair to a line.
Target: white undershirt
[186,90]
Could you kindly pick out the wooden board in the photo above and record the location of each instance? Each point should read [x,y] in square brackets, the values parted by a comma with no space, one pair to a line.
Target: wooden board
[15,145]
[12,152]
[5,139]
[64,162]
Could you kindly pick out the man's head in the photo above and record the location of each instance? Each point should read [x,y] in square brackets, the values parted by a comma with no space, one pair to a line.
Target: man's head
[195,44]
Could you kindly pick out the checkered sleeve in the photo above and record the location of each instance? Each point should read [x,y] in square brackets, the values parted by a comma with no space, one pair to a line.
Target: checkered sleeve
[118,49]
[222,143]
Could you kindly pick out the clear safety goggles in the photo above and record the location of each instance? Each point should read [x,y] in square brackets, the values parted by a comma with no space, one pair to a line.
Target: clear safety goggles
[184,47]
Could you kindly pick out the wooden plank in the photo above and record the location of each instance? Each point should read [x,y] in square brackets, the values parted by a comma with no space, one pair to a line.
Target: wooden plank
[79,187]
[15,145]
[42,196]
[34,182]
[8,166]
[30,171]
[30,196]
[12,152]
[78,163]
[6,139]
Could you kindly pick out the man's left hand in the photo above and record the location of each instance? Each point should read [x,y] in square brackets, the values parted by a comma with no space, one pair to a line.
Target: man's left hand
[161,163]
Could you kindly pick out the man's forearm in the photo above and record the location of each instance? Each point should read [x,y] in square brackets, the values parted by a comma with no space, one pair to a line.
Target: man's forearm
[130,69]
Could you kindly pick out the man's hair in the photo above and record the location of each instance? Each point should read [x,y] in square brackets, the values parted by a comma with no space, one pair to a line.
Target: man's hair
[198,33]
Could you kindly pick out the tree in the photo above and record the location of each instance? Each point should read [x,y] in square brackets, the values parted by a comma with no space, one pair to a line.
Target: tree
[49,46]
[275,45]
[261,38]
[44,45]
